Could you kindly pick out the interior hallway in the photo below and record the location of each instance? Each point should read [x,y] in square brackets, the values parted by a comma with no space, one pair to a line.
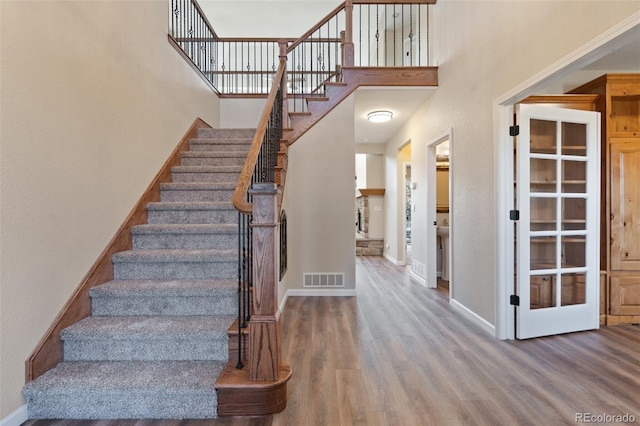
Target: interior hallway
[398,355]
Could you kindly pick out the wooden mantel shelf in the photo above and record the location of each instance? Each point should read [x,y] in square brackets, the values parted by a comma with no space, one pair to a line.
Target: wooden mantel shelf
[371,191]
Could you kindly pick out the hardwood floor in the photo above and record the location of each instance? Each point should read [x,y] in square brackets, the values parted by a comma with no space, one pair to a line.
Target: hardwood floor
[397,355]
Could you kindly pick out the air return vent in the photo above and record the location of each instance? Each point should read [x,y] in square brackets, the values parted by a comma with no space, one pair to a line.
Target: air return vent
[323,279]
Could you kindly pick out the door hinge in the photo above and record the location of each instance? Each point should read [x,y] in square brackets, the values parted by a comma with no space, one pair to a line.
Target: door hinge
[514,130]
[514,214]
[514,300]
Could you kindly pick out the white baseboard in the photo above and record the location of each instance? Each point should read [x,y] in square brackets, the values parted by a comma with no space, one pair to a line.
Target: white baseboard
[344,292]
[394,261]
[418,278]
[284,301]
[473,317]
[16,418]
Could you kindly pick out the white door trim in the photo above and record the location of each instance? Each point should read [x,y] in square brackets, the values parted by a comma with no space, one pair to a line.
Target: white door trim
[619,35]
[430,184]
[404,212]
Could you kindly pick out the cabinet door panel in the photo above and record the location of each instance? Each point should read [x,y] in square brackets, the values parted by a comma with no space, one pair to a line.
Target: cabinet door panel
[625,203]
[625,296]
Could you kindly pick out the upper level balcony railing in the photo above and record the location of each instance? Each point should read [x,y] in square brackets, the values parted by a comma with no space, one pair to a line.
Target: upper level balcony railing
[360,33]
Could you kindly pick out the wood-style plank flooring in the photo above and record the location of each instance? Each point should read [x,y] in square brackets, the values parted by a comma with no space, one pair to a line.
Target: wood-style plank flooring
[397,355]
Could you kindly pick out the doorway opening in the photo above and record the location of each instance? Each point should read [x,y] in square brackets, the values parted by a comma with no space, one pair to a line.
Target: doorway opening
[405,207]
[439,205]
[407,211]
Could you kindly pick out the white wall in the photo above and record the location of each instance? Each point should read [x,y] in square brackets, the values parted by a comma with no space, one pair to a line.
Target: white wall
[319,200]
[485,49]
[375,171]
[376,216]
[394,199]
[361,172]
[93,101]
[276,18]
[241,113]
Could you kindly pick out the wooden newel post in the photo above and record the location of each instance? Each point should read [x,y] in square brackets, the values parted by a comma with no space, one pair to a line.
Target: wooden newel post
[348,52]
[264,331]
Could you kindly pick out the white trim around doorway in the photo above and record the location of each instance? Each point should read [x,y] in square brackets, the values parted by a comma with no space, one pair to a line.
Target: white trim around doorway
[430,184]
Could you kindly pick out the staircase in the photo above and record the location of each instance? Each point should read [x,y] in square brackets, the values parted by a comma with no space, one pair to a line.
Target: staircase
[157,338]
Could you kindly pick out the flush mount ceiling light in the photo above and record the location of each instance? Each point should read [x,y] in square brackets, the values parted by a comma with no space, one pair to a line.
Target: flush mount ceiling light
[379,116]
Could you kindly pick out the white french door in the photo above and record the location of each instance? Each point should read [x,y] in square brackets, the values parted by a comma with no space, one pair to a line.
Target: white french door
[557,233]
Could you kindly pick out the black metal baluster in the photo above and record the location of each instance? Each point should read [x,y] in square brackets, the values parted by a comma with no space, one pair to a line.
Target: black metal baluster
[359,35]
[327,69]
[427,41]
[402,34]
[222,69]
[235,67]
[240,281]
[411,35]
[369,35]
[386,35]
[190,25]
[377,38]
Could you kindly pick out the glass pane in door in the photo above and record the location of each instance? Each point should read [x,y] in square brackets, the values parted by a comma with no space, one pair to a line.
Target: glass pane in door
[574,137]
[574,176]
[573,289]
[543,175]
[543,137]
[574,251]
[543,214]
[574,214]
[543,253]
[542,292]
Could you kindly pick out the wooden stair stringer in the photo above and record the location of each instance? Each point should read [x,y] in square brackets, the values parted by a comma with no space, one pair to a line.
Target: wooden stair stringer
[353,78]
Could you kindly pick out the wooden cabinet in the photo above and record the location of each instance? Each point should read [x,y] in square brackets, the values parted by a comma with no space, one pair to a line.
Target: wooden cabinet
[625,204]
[619,104]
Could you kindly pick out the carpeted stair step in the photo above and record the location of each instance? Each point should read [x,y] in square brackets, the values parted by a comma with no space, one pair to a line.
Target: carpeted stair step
[192,212]
[205,173]
[175,264]
[148,338]
[184,237]
[125,390]
[197,191]
[220,145]
[165,297]
[205,158]
[226,133]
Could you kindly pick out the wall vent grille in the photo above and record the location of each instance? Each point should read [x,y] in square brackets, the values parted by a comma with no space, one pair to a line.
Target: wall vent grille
[323,279]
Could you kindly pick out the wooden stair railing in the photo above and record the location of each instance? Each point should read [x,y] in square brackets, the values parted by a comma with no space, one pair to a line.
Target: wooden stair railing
[261,388]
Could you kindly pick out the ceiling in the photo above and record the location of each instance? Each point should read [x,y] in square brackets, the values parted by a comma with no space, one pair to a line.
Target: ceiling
[624,59]
[402,102]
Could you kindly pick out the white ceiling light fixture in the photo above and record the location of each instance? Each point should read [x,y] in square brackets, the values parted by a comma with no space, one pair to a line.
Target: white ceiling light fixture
[379,116]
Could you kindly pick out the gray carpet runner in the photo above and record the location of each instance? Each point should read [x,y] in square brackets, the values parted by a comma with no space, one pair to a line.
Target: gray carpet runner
[156,339]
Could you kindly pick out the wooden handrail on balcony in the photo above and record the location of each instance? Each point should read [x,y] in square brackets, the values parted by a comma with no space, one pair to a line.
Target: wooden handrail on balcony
[315,28]
[240,195]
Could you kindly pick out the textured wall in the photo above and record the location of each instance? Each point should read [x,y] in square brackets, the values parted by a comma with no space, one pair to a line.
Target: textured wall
[93,100]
